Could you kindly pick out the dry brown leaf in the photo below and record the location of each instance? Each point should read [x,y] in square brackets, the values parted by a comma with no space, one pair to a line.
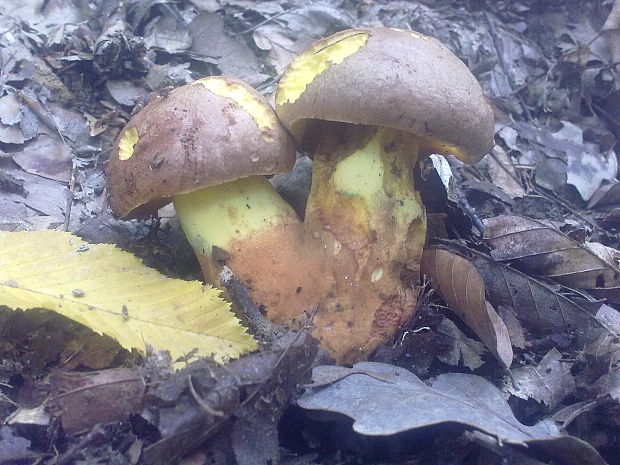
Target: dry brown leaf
[378,408]
[611,32]
[542,250]
[46,156]
[281,47]
[606,195]
[234,57]
[604,354]
[605,347]
[515,329]
[461,286]
[82,400]
[503,173]
[538,306]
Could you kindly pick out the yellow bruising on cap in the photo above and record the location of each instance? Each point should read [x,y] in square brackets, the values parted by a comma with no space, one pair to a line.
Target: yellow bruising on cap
[316,59]
[126,143]
[260,112]
[415,35]
[429,146]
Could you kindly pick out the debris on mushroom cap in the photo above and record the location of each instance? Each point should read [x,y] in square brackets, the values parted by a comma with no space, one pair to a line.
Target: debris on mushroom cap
[211,131]
[408,81]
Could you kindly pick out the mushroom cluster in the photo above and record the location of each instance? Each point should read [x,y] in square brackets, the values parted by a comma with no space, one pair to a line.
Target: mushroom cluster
[366,104]
[207,147]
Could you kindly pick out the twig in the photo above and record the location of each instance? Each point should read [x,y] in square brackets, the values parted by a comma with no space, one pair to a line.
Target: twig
[262,23]
[584,408]
[555,198]
[240,295]
[200,401]
[70,196]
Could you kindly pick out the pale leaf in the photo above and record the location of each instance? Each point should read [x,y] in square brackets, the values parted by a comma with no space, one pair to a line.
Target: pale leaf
[113,293]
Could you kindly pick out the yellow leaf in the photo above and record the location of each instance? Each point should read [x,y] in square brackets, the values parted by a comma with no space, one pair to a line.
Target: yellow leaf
[113,293]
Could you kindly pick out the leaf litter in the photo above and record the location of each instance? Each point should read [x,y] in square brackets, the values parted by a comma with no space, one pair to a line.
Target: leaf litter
[380,408]
[72,73]
[461,286]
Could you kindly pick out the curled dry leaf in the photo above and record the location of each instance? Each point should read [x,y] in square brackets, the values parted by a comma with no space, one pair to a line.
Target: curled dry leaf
[538,307]
[462,287]
[381,409]
[81,400]
[542,250]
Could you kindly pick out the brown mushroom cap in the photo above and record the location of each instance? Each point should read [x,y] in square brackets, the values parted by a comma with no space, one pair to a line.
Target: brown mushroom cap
[387,77]
[211,131]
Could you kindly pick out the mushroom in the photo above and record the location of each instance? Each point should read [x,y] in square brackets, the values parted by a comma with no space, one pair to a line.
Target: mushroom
[368,103]
[207,146]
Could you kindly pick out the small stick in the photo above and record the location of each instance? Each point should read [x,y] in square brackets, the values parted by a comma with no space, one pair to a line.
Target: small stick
[262,23]
[240,295]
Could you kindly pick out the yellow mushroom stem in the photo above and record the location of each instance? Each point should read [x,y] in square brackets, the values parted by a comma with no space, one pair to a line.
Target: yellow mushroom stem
[246,225]
[364,209]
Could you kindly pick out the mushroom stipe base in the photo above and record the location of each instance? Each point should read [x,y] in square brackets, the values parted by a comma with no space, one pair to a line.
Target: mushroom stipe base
[246,225]
[364,209]
[364,230]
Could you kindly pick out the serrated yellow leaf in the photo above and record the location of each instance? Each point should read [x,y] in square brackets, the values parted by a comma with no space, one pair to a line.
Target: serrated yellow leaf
[113,293]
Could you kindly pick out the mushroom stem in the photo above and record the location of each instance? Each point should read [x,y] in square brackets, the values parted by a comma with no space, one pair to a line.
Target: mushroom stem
[246,225]
[365,210]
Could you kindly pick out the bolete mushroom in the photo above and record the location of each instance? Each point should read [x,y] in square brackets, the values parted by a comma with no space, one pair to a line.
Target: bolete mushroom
[368,103]
[206,147]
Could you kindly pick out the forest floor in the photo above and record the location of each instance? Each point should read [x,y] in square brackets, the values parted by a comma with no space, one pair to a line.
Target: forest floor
[534,225]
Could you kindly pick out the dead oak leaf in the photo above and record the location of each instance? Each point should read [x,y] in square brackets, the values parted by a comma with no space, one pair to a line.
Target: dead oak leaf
[379,408]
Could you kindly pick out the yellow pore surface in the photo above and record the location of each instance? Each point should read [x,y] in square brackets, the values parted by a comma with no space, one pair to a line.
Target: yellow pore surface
[126,143]
[217,215]
[261,113]
[316,59]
